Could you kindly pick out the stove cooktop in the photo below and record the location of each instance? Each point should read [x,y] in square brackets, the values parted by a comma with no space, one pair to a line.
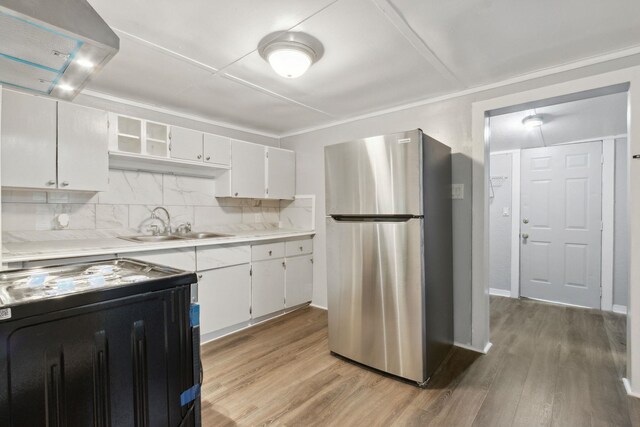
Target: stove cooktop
[23,286]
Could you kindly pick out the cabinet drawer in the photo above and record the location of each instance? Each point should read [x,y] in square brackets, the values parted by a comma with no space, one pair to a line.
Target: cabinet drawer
[222,256]
[267,251]
[298,247]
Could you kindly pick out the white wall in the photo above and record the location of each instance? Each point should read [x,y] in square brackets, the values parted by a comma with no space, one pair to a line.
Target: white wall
[621,225]
[500,237]
[447,120]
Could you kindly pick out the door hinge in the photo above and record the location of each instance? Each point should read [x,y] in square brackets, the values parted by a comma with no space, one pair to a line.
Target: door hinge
[266,154]
[266,190]
[108,124]
[284,265]
[601,225]
[250,310]
[251,271]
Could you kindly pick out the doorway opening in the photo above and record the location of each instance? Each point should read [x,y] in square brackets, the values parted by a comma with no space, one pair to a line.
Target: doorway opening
[558,218]
[559,225]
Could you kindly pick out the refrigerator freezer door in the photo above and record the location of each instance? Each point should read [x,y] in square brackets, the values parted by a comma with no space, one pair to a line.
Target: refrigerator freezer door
[375,176]
[376,294]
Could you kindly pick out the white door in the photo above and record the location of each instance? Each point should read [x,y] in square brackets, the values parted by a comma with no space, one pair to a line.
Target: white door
[298,280]
[217,149]
[28,141]
[186,144]
[561,209]
[267,287]
[224,295]
[247,169]
[281,173]
[83,152]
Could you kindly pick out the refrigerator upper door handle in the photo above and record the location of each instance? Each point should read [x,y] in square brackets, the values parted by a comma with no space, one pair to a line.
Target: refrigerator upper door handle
[376,218]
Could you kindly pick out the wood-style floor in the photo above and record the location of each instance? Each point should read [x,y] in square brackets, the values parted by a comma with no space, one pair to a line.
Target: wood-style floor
[549,366]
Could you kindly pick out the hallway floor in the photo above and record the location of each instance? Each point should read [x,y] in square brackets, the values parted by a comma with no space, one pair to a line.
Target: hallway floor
[549,366]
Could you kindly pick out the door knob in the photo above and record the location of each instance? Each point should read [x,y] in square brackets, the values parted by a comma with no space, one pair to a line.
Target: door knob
[525,221]
[199,156]
[51,182]
[65,183]
[208,158]
[525,235]
[270,253]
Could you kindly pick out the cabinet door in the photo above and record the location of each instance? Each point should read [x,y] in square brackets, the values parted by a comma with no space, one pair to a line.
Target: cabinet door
[281,173]
[28,141]
[186,144]
[267,287]
[217,149]
[224,295]
[247,169]
[83,152]
[298,280]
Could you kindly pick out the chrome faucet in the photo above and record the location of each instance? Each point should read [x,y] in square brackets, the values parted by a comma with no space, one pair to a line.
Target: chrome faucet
[167,224]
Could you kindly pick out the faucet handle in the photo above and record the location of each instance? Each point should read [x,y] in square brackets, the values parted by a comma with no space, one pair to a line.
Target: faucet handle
[155,230]
[185,227]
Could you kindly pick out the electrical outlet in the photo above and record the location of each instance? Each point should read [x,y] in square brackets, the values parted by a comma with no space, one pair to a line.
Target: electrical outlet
[457,191]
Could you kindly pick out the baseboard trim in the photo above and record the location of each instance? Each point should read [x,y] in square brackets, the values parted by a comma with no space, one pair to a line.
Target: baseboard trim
[620,309]
[500,292]
[627,387]
[317,306]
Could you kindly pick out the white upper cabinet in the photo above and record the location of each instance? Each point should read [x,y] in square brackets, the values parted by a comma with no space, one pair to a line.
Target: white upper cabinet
[281,173]
[217,149]
[258,172]
[247,175]
[53,145]
[83,157]
[186,144]
[28,141]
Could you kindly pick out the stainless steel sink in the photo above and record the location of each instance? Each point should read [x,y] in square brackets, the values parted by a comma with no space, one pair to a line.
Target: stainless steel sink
[201,235]
[147,238]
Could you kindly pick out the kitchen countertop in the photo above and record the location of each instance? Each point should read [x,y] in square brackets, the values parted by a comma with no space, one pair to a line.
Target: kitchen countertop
[55,249]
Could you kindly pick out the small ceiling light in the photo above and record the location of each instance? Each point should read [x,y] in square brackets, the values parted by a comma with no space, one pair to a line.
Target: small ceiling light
[85,63]
[290,54]
[65,87]
[533,121]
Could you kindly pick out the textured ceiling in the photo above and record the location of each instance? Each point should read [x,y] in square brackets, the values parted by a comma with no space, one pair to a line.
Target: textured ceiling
[199,57]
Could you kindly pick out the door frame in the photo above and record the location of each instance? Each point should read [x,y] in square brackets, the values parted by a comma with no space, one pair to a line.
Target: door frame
[608,216]
[630,77]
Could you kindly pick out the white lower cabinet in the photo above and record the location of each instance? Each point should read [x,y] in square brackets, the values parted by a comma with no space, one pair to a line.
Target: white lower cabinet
[224,295]
[267,287]
[298,280]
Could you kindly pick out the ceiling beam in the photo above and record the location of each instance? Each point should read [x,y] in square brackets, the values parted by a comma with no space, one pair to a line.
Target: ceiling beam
[423,49]
[273,94]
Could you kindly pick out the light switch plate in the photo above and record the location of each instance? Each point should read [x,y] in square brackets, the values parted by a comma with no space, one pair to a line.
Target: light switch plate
[457,191]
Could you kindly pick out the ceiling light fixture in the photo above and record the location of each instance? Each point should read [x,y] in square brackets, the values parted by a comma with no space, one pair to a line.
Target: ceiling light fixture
[65,87]
[533,121]
[85,63]
[290,54]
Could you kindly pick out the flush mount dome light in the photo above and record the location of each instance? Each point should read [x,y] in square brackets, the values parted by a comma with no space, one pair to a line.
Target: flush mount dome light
[533,121]
[290,54]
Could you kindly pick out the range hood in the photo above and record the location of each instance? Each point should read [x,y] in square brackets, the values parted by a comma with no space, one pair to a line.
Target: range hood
[52,47]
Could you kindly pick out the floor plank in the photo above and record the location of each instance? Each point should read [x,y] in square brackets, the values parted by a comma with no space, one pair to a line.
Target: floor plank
[549,366]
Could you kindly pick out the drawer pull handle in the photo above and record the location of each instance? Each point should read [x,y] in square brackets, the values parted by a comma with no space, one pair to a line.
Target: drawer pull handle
[300,248]
[270,253]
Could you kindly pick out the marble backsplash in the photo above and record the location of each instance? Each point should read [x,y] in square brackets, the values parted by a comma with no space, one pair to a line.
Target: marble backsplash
[126,207]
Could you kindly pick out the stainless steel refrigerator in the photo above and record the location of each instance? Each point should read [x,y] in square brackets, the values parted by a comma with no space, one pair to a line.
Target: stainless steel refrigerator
[389,252]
